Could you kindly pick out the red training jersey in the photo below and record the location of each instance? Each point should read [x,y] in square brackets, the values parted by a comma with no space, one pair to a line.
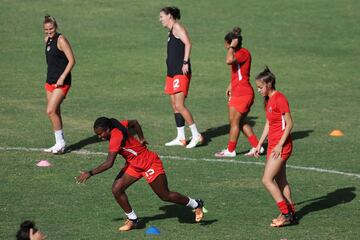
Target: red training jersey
[135,153]
[276,108]
[240,74]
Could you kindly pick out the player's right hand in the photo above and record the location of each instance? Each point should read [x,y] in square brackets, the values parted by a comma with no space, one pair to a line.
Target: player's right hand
[82,177]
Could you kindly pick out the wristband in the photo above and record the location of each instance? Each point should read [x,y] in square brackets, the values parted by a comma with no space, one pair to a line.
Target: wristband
[91,173]
[186,62]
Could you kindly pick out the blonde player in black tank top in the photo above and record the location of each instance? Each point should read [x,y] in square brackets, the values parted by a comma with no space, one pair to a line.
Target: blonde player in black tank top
[178,76]
[60,60]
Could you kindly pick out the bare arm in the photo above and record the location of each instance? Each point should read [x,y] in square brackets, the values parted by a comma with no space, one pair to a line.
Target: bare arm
[288,126]
[134,124]
[230,55]
[64,46]
[109,162]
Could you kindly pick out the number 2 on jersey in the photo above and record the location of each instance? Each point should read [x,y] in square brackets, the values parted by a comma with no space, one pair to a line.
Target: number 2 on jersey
[176,83]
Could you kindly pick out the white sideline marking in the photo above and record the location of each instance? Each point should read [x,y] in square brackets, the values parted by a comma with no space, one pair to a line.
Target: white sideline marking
[86,152]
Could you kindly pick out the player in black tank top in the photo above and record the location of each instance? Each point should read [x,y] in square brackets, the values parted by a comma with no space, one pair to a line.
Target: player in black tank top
[175,56]
[60,60]
[56,61]
[178,76]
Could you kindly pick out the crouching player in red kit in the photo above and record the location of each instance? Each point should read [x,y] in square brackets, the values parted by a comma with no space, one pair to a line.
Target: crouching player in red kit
[277,128]
[140,162]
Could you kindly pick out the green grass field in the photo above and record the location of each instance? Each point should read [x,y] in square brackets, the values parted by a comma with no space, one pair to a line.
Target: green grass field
[120,49]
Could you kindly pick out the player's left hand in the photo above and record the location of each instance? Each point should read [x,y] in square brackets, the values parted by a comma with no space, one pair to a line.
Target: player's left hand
[144,142]
[82,177]
[185,69]
[60,82]
[276,152]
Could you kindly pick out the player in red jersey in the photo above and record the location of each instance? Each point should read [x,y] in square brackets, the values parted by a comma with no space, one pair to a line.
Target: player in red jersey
[277,129]
[139,162]
[239,92]
[178,76]
[60,61]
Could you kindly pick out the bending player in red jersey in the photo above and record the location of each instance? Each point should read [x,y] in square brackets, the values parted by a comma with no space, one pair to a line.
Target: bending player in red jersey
[239,92]
[277,128]
[139,162]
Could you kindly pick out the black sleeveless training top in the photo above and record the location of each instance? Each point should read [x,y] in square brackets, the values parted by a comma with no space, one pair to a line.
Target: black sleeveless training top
[175,56]
[56,61]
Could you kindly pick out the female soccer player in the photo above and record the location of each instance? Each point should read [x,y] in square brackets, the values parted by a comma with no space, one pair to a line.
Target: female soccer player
[239,92]
[178,76]
[277,128]
[60,60]
[140,162]
[28,231]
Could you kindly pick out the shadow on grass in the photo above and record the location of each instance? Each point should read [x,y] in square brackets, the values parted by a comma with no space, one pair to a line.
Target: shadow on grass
[294,136]
[214,132]
[82,143]
[339,196]
[183,214]
[300,134]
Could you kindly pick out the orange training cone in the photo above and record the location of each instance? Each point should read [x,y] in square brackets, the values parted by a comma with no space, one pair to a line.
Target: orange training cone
[336,133]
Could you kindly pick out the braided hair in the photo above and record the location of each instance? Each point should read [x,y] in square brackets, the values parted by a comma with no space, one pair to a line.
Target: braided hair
[111,123]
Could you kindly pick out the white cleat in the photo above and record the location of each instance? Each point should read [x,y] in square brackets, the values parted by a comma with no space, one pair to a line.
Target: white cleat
[225,153]
[49,150]
[176,142]
[195,141]
[56,149]
[251,153]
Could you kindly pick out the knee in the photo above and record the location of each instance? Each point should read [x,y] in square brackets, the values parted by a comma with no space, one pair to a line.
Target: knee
[117,189]
[179,107]
[266,181]
[50,112]
[234,125]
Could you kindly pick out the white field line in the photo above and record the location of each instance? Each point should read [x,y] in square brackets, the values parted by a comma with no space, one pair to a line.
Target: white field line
[85,152]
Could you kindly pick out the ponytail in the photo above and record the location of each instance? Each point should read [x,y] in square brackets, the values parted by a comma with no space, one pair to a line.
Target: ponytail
[234,34]
[267,77]
[173,11]
[50,19]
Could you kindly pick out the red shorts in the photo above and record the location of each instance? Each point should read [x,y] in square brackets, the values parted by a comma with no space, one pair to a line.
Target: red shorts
[150,174]
[178,83]
[285,152]
[242,104]
[64,88]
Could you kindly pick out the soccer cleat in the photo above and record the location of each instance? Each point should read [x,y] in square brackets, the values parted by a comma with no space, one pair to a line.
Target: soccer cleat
[129,224]
[251,153]
[294,218]
[49,150]
[176,142]
[225,153]
[282,221]
[195,141]
[58,148]
[199,213]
